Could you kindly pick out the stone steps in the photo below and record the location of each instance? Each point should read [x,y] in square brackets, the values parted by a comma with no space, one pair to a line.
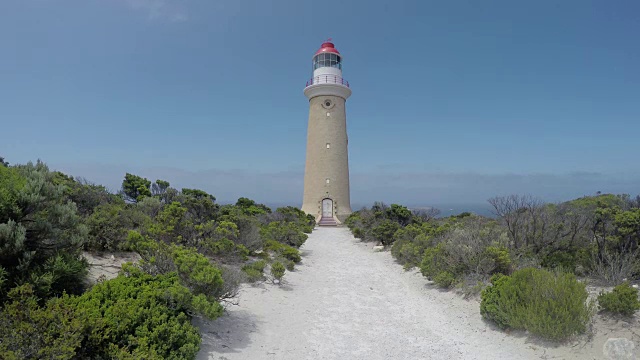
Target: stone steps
[327,221]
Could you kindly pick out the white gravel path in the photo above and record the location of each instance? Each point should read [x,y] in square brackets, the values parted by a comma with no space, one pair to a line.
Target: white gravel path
[345,301]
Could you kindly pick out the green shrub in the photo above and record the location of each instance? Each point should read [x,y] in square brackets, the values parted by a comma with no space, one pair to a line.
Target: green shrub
[560,259]
[551,305]
[254,270]
[288,264]
[134,316]
[277,270]
[41,233]
[284,232]
[258,265]
[222,246]
[501,259]
[407,253]
[622,300]
[283,250]
[138,315]
[353,219]
[291,254]
[253,275]
[358,233]
[445,279]
[384,231]
[435,261]
[107,228]
[32,332]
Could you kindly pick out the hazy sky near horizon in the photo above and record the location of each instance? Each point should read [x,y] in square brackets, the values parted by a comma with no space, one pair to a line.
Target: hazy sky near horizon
[453,101]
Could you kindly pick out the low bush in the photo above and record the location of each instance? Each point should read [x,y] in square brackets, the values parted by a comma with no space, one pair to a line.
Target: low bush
[288,264]
[436,266]
[550,305]
[500,258]
[134,316]
[622,300]
[137,315]
[254,271]
[287,233]
[384,231]
[410,252]
[277,270]
[283,250]
[445,279]
[29,331]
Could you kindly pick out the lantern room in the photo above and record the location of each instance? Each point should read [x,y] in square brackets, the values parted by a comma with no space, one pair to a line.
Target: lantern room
[328,60]
[327,66]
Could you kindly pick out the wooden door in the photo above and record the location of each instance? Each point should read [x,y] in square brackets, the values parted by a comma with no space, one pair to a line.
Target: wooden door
[327,208]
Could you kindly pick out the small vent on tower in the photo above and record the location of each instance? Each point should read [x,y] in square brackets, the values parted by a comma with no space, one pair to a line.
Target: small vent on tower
[328,181]
[327,103]
[328,146]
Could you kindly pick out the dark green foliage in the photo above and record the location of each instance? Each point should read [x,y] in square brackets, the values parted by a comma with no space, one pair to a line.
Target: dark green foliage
[159,188]
[41,233]
[12,184]
[463,215]
[250,207]
[46,218]
[254,271]
[200,205]
[436,265]
[491,306]
[410,252]
[141,316]
[277,270]
[3,162]
[399,214]
[445,279]
[194,270]
[550,305]
[172,225]
[108,227]
[384,231]
[294,215]
[85,195]
[284,232]
[500,258]
[29,331]
[248,232]
[283,250]
[622,300]
[135,187]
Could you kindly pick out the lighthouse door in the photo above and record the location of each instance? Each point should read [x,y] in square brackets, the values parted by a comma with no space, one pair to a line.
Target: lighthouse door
[327,208]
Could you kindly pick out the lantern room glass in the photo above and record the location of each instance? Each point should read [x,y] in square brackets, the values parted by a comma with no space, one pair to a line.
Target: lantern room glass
[327,60]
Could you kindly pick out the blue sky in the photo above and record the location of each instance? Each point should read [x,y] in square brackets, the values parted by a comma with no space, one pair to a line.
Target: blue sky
[453,101]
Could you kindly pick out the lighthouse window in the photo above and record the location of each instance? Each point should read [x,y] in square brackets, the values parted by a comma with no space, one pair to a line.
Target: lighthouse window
[328,181]
[327,60]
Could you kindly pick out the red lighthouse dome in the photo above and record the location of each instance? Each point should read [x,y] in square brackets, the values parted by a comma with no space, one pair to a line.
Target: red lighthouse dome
[327,47]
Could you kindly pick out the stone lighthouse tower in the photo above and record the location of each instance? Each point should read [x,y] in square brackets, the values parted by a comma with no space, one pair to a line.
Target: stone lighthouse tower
[326,174]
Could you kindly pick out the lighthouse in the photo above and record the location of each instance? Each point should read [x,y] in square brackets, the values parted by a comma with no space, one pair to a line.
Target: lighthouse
[326,174]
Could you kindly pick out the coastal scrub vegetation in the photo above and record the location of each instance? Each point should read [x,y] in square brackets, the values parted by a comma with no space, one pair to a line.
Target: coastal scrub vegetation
[529,246]
[194,254]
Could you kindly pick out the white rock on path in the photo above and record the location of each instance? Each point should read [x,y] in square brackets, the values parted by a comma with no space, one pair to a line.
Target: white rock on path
[618,349]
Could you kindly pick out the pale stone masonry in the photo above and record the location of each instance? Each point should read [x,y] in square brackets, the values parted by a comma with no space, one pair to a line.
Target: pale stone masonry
[326,178]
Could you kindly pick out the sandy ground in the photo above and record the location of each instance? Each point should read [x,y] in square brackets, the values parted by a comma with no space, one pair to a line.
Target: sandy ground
[346,301]
[107,264]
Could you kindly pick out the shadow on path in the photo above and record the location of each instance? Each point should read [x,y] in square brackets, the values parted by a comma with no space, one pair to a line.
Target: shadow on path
[230,333]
